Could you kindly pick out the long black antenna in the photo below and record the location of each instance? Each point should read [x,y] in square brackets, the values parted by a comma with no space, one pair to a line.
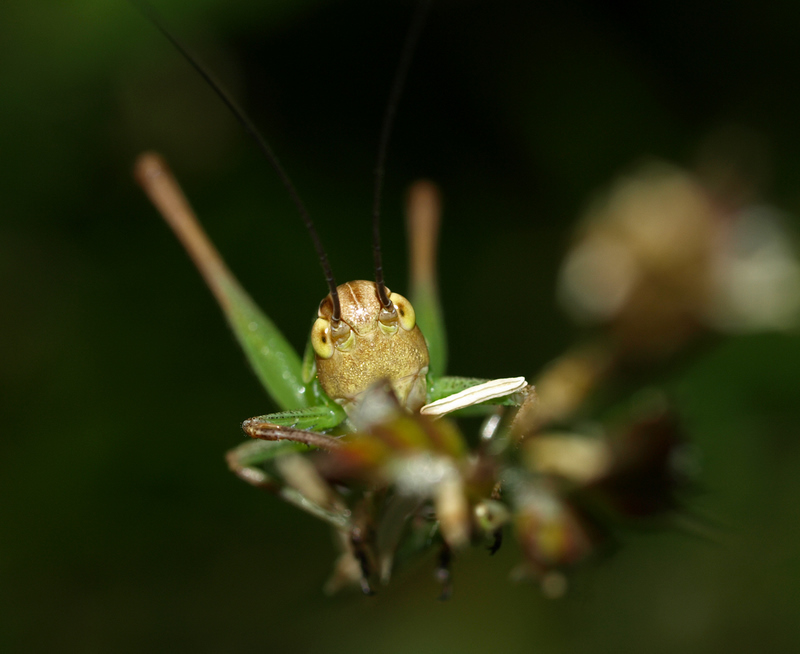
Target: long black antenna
[410,44]
[150,13]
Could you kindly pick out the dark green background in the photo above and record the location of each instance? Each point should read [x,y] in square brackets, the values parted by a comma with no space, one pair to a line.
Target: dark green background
[121,388]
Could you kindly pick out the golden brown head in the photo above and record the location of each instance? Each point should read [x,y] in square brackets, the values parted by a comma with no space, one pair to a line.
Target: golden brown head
[370,343]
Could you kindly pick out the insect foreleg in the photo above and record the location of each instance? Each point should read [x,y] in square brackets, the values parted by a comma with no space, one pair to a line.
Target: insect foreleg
[448,394]
[266,431]
[313,419]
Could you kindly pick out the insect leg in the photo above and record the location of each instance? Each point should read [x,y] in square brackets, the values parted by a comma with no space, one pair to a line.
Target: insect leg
[273,359]
[497,542]
[282,426]
[269,432]
[450,394]
[278,467]
[358,543]
[444,572]
[423,218]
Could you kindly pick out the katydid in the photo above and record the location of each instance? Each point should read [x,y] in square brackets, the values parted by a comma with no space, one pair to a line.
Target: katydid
[370,343]
[359,442]
[364,336]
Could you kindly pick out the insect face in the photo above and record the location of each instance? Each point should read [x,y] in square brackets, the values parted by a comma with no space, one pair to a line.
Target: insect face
[369,344]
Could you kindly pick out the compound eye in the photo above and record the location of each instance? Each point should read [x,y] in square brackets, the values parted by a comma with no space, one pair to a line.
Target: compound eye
[321,339]
[405,312]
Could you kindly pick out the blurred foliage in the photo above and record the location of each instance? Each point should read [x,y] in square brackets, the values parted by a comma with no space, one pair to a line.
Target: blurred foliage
[120,387]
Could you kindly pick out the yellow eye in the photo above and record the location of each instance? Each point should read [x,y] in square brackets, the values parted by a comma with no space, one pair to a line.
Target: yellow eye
[405,312]
[321,338]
